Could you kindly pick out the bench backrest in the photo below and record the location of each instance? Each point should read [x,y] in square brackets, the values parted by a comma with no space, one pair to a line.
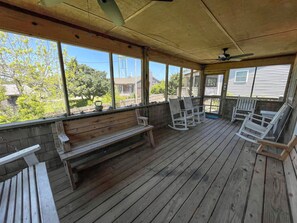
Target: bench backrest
[84,129]
[246,104]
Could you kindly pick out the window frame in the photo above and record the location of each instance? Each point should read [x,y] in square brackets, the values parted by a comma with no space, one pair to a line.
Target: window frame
[246,78]
[254,80]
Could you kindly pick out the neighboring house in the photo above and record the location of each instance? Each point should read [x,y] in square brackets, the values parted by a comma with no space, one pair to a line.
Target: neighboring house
[12,92]
[241,81]
[126,85]
[186,84]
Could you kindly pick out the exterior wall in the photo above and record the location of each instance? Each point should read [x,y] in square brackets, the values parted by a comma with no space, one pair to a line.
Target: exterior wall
[240,89]
[44,134]
[25,137]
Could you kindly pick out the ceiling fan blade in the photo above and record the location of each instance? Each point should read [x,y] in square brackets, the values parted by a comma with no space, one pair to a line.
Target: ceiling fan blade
[242,55]
[49,3]
[112,11]
[235,59]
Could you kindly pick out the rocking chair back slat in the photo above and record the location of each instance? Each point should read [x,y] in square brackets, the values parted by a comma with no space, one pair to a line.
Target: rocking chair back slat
[243,107]
[188,103]
[181,119]
[174,106]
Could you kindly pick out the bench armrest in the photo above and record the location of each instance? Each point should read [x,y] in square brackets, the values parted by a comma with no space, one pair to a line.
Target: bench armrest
[142,120]
[28,154]
[273,144]
[63,138]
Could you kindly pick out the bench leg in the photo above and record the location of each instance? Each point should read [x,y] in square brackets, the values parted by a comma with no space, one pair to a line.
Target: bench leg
[151,138]
[70,175]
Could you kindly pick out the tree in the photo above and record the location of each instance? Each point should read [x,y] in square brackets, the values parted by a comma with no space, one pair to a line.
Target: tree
[32,66]
[158,88]
[2,94]
[86,82]
[30,107]
[173,84]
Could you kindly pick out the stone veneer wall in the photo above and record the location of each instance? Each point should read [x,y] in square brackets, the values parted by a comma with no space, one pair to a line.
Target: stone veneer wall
[24,137]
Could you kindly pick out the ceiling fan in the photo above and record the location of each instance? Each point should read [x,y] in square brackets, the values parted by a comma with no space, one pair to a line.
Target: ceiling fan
[227,57]
[109,7]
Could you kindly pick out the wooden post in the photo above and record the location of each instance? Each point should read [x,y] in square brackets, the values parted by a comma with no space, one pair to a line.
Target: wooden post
[145,77]
[191,83]
[166,82]
[254,82]
[112,80]
[224,91]
[202,84]
[61,61]
[180,82]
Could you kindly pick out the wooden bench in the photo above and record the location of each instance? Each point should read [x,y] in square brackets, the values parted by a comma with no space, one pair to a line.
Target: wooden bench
[288,154]
[27,197]
[84,136]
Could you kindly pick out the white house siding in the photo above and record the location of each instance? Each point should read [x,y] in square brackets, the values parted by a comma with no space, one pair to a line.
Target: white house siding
[240,89]
[266,77]
[271,81]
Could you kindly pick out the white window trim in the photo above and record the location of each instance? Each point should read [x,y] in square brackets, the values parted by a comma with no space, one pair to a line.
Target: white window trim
[246,79]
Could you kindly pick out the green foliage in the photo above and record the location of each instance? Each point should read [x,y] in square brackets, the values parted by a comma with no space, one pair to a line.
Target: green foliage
[30,107]
[173,84]
[77,103]
[32,66]
[85,82]
[2,93]
[158,88]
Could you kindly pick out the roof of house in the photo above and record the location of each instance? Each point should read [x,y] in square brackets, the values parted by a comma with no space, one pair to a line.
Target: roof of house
[12,89]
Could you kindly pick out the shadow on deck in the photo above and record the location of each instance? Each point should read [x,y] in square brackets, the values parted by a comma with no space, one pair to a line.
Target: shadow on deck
[207,174]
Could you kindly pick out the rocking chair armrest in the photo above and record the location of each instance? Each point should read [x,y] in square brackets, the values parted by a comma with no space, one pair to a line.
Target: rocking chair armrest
[199,106]
[261,116]
[273,144]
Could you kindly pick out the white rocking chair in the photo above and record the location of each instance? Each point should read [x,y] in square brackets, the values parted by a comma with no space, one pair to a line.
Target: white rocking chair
[198,111]
[181,119]
[256,127]
[243,107]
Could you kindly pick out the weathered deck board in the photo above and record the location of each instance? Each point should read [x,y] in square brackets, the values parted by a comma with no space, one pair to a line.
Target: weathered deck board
[206,174]
[276,208]
[255,201]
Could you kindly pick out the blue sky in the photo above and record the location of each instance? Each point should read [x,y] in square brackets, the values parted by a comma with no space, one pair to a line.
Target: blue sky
[99,60]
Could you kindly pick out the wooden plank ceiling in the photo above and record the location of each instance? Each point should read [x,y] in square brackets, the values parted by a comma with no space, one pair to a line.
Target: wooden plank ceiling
[195,30]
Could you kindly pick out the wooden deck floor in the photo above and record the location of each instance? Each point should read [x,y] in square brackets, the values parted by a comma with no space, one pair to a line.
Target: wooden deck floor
[206,174]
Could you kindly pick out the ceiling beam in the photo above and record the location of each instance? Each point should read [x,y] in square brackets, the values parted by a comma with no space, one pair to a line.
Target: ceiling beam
[219,25]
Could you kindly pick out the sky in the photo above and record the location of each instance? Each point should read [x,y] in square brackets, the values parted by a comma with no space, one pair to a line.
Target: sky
[99,60]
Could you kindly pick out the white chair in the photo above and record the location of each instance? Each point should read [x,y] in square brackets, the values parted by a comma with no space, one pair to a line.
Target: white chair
[181,119]
[198,111]
[256,127]
[243,107]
